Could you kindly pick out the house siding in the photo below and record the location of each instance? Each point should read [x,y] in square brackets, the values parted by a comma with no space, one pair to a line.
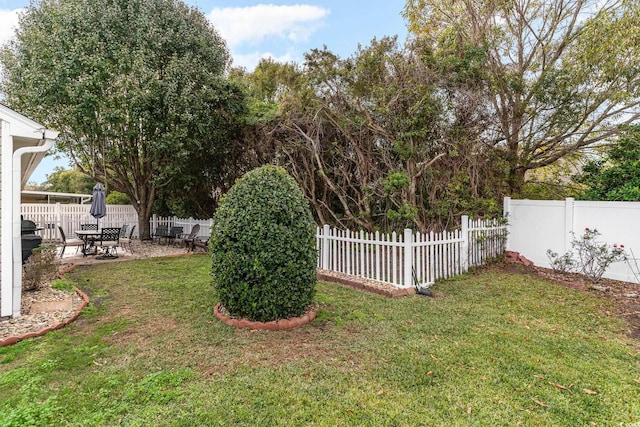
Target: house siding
[0,206]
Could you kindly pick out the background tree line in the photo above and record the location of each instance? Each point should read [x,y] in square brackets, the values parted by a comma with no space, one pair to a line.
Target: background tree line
[482,94]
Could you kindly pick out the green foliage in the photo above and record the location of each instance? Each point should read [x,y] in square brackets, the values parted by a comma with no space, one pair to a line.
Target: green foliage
[406,213]
[263,247]
[395,181]
[136,88]
[592,257]
[554,76]
[117,198]
[62,284]
[68,181]
[617,175]
[384,139]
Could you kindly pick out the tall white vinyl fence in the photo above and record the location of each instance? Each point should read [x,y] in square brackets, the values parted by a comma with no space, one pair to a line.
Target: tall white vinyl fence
[410,258]
[538,225]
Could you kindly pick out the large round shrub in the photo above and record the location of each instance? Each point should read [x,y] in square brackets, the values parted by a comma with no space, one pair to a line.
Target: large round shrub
[263,247]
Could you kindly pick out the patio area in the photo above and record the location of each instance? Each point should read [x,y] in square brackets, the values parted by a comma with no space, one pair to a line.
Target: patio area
[141,250]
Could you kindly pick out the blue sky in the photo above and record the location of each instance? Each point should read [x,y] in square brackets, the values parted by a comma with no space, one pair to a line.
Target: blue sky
[283,30]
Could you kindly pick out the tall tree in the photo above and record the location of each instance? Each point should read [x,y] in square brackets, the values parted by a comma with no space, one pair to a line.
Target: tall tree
[136,88]
[561,75]
[68,181]
[377,140]
[617,175]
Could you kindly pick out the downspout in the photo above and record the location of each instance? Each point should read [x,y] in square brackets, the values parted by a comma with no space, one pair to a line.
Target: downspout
[16,184]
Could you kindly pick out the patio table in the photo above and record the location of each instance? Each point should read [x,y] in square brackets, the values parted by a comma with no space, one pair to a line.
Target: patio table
[88,237]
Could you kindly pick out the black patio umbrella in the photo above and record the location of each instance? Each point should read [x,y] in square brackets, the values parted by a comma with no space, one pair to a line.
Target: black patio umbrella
[99,203]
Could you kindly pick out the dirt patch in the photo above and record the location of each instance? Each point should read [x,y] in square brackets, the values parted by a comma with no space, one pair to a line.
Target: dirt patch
[64,304]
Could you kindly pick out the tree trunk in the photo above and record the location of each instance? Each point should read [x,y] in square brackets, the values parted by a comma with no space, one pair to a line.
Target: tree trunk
[516,180]
[144,226]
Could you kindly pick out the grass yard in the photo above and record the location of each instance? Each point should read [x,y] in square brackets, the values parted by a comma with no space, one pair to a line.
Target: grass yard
[492,349]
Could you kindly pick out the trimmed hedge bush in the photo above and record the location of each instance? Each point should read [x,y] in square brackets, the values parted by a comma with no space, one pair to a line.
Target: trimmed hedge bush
[262,247]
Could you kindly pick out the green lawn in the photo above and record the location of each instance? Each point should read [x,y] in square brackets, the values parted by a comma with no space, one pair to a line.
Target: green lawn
[491,349]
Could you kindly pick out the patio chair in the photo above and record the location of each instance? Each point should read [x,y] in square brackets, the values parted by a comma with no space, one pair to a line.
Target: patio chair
[123,231]
[78,243]
[109,241]
[186,239]
[173,233]
[88,226]
[127,240]
[200,242]
[160,232]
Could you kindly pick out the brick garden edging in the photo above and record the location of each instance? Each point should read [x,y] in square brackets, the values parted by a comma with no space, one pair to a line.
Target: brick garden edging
[278,325]
[13,339]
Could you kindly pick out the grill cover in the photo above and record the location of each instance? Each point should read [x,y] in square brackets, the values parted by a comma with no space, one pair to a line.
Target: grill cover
[28,227]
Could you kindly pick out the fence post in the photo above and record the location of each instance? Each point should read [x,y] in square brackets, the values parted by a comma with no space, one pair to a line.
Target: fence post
[464,249]
[506,214]
[325,246]
[568,223]
[408,257]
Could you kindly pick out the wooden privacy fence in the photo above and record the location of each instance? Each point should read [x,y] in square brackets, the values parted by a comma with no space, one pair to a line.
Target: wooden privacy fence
[410,258]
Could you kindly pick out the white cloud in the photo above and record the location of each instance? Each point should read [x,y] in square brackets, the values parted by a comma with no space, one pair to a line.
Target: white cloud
[8,23]
[250,60]
[254,24]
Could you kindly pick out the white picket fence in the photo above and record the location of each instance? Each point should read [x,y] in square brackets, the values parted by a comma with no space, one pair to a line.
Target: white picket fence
[69,216]
[398,259]
[411,258]
[186,224]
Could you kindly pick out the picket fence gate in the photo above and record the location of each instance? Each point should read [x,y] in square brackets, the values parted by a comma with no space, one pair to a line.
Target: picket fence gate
[410,258]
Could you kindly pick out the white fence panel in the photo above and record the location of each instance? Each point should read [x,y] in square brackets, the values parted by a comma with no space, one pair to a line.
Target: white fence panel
[538,225]
[186,224]
[402,260]
[410,258]
[70,216]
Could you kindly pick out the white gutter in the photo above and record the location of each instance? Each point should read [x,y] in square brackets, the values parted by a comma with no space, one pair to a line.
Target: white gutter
[48,138]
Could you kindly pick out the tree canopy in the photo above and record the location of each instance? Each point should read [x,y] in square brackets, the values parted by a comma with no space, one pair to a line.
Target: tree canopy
[68,181]
[559,75]
[377,140]
[617,175]
[136,88]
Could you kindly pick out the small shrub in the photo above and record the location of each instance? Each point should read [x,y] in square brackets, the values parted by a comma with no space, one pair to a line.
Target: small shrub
[262,247]
[561,263]
[40,268]
[593,256]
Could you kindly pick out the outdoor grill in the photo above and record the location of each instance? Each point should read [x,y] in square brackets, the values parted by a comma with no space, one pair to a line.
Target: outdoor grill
[30,240]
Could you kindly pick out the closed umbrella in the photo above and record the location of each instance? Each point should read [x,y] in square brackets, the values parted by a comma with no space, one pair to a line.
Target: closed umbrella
[99,203]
